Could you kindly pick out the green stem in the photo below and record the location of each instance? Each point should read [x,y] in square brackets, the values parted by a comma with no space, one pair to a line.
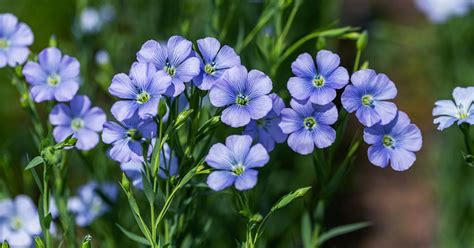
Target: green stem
[357,60]
[465,130]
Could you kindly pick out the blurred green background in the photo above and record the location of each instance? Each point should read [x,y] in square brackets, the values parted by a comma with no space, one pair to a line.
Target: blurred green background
[432,204]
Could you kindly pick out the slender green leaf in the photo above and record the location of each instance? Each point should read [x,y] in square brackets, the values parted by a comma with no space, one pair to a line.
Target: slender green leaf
[34,162]
[306,230]
[287,199]
[133,236]
[341,230]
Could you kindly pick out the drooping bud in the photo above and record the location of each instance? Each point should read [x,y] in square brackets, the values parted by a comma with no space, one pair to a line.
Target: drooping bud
[162,108]
[182,117]
[53,41]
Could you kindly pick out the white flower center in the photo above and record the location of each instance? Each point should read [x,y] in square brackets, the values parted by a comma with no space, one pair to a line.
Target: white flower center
[16,223]
[3,43]
[54,79]
[77,123]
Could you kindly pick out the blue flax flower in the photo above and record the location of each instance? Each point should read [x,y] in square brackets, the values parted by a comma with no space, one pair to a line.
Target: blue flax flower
[168,167]
[309,125]
[176,59]
[80,119]
[15,37]
[127,138]
[244,96]
[461,110]
[214,62]
[441,11]
[90,204]
[266,131]
[235,163]
[396,142]
[317,83]
[19,222]
[55,77]
[141,91]
[368,95]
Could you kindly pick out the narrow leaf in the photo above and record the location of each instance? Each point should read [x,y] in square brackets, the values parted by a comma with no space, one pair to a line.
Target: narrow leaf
[133,236]
[34,162]
[287,199]
[341,230]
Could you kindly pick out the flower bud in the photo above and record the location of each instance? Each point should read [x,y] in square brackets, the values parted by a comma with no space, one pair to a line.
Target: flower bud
[5,244]
[320,43]
[182,117]
[53,41]
[162,108]
[51,155]
[362,41]
[125,182]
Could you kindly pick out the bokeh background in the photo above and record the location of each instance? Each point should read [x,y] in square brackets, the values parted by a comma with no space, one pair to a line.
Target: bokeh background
[430,205]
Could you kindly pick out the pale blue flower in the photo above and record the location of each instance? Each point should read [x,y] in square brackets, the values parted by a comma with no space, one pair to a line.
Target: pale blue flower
[460,111]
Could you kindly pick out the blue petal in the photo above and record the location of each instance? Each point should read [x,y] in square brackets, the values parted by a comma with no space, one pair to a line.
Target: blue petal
[34,74]
[113,132]
[304,67]
[401,159]
[159,83]
[239,145]
[60,115]
[360,79]
[444,122]
[246,180]
[65,91]
[410,139]
[351,99]
[445,107]
[338,78]
[94,119]
[153,52]
[86,139]
[187,70]
[322,95]
[235,116]
[256,157]
[290,121]
[326,114]
[220,95]
[122,87]
[301,141]
[327,62]
[378,155]
[49,59]
[62,132]
[300,88]
[209,47]
[367,116]
[226,58]
[382,88]
[220,157]
[69,68]
[122,110]
[22,36]
[219,180]
[258,84]
[149,109]
[42,92]
[236,78]
[386,111]
[259,107]
[179,49]
[80,105]
[17,55]
[323,136]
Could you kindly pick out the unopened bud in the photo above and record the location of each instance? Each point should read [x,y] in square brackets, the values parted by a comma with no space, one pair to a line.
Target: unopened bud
[162,108]
[362,41]
[125,182]
[320,43]
[182,117]
[5,244]
[53,41]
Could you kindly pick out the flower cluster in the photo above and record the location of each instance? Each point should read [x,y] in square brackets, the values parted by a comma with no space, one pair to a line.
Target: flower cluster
[55,77]
[308,122]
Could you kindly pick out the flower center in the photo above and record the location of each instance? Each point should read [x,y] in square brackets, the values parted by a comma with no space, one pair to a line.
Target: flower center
[318,81]
[209,68]
[54,79]
[170,69]
[367,100]
[16,223]
[143,97]
[77,123]
[388,141]
[462,112]
[309,123]
[134,134]
[241,100]
[3,43]
[238,169]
